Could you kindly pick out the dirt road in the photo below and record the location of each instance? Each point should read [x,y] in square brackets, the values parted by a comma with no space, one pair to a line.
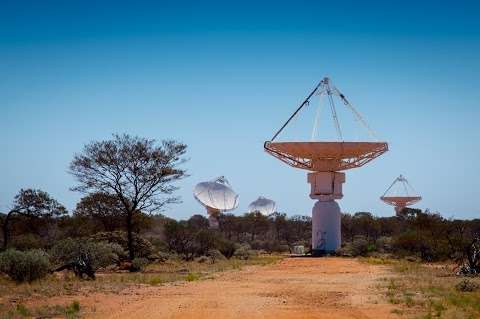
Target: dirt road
[294,288]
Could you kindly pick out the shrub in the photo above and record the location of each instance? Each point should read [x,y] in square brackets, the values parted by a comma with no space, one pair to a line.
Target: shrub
[359,246]
[27,242]
[467,286]
[405,243]
[384,244]
[72,310]
[215,255]
[204,241]
[139,264]
[141,246]
[345,250]
[243,252]
[226,247]
[204,259]
[193,276]
[24,266]
[257,244]
[160,256]
[84,256]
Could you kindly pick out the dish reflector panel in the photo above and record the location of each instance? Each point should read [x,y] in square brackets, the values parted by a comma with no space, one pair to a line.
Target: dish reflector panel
[400,193]
[216,195]
[263,205]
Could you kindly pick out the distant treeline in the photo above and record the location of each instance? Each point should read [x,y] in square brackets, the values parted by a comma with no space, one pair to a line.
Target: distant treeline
[426,235]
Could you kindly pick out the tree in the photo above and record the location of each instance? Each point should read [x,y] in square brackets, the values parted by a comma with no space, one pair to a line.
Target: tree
[136,170]
[279,221]
[106,213]
[257,223]
[464,240]
[32,203]
[104,208]
[180,238]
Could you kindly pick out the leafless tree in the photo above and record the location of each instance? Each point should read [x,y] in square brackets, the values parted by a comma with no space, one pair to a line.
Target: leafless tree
[137,170]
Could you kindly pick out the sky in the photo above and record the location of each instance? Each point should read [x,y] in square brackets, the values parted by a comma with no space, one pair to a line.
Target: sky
[222,77]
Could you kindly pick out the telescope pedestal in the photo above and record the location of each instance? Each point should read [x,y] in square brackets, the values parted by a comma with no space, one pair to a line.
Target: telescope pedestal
[326,217]
[398,209]
[213,218]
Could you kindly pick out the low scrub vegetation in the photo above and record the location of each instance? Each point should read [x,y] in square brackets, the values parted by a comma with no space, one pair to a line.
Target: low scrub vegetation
[431,291]
[24,266]
[70,311]
[414,235]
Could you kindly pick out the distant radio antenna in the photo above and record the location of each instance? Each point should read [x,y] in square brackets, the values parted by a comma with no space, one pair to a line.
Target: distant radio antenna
[400,194]
[262,205]
[216,196]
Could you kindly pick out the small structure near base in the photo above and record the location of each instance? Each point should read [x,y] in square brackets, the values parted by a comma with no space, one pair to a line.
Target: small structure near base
[298,250]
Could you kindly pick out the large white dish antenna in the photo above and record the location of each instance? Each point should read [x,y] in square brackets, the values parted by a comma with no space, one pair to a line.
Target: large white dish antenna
[216,195]
[263,205]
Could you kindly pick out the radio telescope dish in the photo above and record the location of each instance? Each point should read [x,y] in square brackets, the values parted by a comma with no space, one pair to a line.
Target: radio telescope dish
[216,196]
[326,160]
[263,205]
[326,156]
[400,194]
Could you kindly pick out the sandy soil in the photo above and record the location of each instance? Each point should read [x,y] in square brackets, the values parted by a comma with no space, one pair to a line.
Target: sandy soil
[294,288]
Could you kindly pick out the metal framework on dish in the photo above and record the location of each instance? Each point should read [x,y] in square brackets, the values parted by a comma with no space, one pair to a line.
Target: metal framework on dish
[326,156]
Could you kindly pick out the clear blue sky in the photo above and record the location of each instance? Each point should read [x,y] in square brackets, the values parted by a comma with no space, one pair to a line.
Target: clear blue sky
[223,76]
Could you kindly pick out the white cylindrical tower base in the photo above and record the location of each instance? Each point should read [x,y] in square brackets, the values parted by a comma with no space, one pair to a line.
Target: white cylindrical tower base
[326,227]
[213,217]
[213,222]
[398,209]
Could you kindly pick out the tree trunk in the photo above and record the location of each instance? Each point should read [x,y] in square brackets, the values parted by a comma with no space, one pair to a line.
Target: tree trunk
[131,253]
[6,230]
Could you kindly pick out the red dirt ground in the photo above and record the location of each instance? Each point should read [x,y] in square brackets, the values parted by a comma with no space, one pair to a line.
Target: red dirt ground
[331,288]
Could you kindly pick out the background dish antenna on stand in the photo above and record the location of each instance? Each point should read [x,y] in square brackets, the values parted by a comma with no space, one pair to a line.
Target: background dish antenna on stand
[263,205]
[400,194]
[216,196]
[325,160]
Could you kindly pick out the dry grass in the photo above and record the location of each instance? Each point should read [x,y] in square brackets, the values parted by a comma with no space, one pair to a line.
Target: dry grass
[13,296]
[70,311]
[428,291]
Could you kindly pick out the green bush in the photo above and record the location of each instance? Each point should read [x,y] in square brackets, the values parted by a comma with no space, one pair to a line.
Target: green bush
[141,246]
[345,250]
[360,246]
[243,252]
[226,247]
[139,264]
[467,286]
[27,242]
[203,259]
[24,266]
[96,254]
[161,256]
[384,244]
[215,255]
